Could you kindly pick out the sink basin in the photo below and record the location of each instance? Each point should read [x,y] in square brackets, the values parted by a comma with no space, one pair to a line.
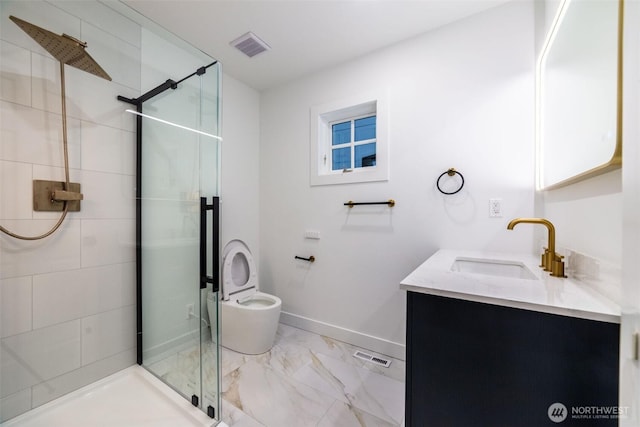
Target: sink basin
[493,267]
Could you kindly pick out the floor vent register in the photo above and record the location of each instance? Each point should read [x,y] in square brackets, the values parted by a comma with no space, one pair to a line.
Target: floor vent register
[373,359]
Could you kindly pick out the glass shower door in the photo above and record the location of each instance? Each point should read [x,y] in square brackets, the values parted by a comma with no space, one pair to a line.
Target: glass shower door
[178,170]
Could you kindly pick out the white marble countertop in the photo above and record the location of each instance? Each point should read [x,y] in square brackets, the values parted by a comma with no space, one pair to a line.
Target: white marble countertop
[544,293]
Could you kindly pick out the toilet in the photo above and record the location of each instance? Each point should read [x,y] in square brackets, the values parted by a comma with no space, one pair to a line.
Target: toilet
[249,318]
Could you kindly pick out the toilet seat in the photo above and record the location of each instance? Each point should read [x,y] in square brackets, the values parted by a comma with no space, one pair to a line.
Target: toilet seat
[257,301]
[239,277]
[248,318]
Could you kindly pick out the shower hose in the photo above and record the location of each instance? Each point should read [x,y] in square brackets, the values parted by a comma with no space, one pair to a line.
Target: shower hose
[66,168]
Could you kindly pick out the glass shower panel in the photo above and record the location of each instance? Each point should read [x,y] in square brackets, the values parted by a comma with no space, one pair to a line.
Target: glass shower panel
[178,167]
[209,186]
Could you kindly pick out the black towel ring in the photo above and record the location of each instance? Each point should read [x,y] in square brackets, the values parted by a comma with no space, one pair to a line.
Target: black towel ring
[450,172]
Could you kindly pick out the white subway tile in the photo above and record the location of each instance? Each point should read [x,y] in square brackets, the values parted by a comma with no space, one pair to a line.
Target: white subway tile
[52,389]
[39,355]
[87,97]
[15,404]
[108,333]
[15,74]
[15,302]
[108,149]
[96,100]
[35,136]
[39,13]
[58,297]
[111,287]
[64,296]
[58,252]
[108,195]
[15,190]
[163,60]
[107,241]
[119,59]
[45,84]
[105,18]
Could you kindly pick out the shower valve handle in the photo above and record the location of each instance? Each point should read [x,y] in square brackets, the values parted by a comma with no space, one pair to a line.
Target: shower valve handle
[63,196]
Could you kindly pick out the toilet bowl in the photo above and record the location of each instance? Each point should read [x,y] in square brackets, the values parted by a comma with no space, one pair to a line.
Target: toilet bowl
[249,318]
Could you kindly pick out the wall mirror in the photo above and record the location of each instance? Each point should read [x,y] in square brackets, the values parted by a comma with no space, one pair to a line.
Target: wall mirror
[579,94]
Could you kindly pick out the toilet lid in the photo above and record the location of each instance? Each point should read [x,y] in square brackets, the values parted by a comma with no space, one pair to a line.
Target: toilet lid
[239,277]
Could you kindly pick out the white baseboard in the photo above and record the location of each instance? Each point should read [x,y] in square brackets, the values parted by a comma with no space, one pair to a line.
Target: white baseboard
[369,342]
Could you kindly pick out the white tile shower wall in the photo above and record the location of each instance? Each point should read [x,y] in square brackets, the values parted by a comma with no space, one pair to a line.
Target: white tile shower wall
[461,96]
[33,136]
[67,301]
[14,183]
[70,295]
[59,252]
[16,86]
[34,357]
[16,302]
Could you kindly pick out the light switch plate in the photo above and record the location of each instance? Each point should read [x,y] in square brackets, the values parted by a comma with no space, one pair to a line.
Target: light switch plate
[311,234]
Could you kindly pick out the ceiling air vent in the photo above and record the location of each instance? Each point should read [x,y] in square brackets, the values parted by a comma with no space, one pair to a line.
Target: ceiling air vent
[250,44]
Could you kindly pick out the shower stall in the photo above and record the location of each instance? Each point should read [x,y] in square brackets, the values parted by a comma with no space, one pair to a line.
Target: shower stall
[177,231]
[124,279]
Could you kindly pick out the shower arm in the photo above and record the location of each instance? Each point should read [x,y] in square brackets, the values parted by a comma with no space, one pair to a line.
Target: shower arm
[61,194]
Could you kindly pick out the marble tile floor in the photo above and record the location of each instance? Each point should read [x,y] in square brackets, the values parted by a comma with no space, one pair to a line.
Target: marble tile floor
[305,380]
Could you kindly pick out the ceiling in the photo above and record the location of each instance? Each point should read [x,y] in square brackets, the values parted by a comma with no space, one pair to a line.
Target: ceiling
[304,35]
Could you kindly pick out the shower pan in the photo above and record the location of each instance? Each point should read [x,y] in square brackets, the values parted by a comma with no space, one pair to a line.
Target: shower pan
[53,195]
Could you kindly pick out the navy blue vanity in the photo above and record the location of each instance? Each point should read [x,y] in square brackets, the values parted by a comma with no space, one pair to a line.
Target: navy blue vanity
[490,350]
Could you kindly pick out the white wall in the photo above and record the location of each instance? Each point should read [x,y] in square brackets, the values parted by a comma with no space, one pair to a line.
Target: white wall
[588,216]
[239,189]
[629,368]
[67,302]
[460,96]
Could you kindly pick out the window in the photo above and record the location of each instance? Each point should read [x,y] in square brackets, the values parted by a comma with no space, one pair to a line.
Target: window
[353,143]
[348,142]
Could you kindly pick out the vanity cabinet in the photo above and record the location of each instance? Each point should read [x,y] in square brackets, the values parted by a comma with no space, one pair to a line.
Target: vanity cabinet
[479,364]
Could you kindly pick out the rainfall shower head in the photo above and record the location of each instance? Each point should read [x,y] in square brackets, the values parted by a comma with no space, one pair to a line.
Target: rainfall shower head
[56,195]
[66,49]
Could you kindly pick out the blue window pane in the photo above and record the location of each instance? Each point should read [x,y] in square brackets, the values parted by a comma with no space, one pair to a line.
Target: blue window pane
[365,128]
[341,133]
[365,155]
[341,158]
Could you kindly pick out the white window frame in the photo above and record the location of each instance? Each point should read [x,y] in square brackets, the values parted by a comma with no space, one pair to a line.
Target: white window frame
[321,119]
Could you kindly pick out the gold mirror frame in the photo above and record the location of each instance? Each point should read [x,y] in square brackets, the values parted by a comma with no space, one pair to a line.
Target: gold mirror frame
[615,162]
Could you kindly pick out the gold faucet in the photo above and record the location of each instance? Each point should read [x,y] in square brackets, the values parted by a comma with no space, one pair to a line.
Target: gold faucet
[550,260]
